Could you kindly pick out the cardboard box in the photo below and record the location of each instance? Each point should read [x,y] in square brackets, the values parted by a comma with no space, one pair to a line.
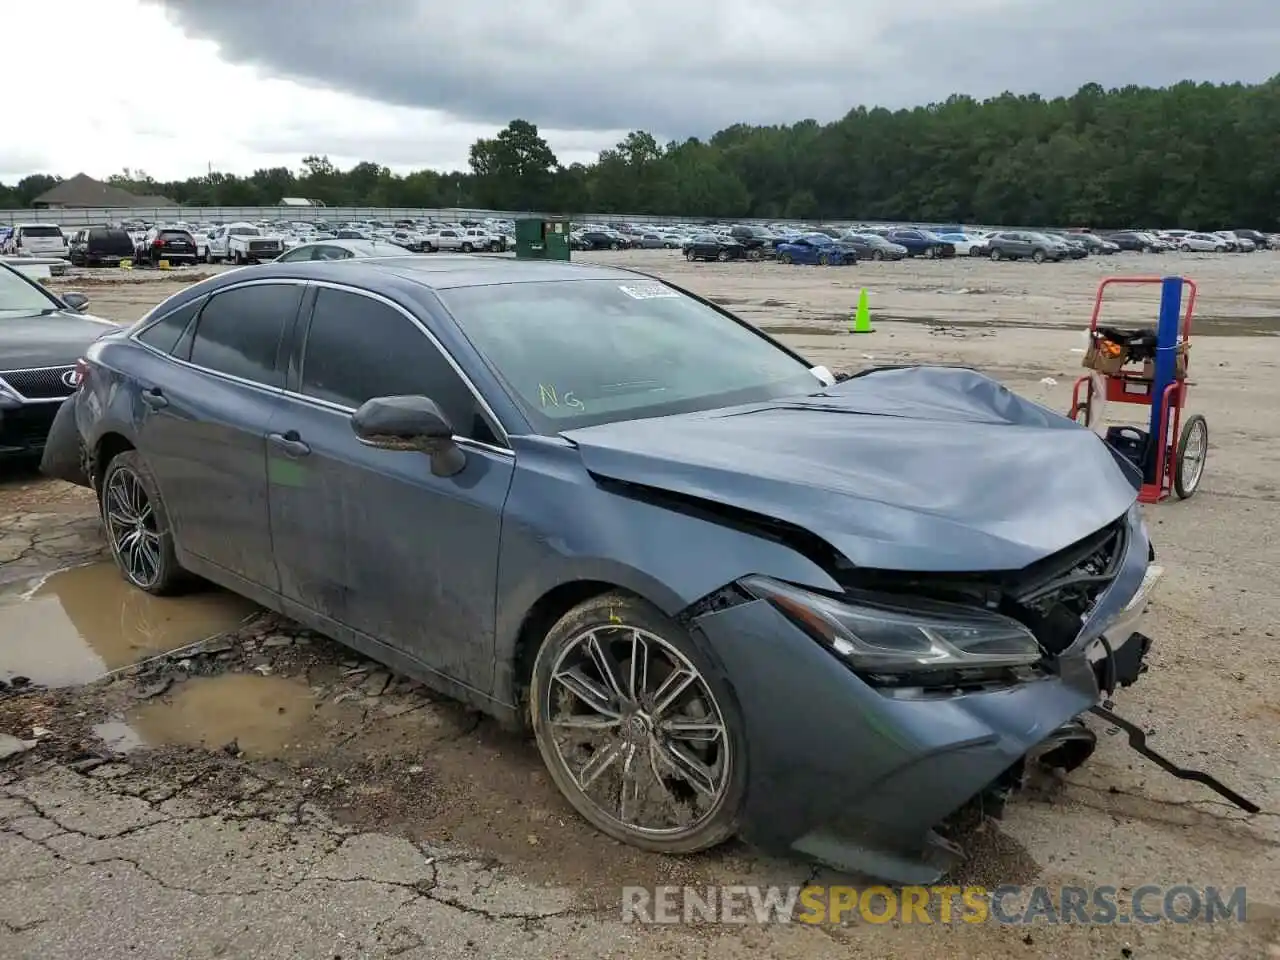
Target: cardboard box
[1179,365]
[1095,359]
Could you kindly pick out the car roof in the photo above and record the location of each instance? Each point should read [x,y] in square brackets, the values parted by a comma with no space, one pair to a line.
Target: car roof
[439,271]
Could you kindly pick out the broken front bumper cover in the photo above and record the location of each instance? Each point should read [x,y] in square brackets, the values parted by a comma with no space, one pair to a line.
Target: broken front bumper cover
[858,779]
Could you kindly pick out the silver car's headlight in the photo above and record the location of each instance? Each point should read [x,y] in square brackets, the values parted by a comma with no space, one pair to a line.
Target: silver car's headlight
[886,636]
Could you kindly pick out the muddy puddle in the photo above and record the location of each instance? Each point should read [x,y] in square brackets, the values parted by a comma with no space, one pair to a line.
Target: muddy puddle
[77,625]
[261,717]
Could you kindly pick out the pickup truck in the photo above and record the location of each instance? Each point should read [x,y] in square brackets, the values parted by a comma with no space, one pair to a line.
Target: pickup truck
[464,239]
[242,243]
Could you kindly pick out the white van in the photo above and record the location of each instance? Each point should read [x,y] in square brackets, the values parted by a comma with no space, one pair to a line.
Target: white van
[37,240]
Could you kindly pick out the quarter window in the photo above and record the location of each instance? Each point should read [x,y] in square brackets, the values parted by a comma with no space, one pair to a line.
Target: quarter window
[358,348]
[239,331]
[165,332]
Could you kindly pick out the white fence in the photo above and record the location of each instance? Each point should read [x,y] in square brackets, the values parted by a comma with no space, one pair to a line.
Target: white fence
[97,216]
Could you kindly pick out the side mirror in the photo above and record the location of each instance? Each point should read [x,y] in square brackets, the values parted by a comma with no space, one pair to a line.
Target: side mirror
[410,423]
[76,301]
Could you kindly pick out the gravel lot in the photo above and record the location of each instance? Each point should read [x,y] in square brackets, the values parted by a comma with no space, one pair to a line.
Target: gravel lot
[268,794]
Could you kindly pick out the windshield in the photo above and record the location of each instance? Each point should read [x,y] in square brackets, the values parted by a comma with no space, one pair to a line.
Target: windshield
[41,231]
[19,298]
[575,353]
[244,232]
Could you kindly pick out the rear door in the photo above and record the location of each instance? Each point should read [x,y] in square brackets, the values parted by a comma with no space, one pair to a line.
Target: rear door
[205,420]
[176,243]
[42,240]
[369,537]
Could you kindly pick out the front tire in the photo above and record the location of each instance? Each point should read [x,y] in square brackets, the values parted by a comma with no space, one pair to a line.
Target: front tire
[637,729]
[137,526]
[690,256]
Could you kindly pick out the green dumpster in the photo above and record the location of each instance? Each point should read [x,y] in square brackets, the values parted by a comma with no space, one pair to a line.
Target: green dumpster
[538,238]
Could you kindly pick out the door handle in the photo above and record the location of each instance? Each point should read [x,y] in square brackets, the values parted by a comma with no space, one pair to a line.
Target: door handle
[291,443]
[155,398]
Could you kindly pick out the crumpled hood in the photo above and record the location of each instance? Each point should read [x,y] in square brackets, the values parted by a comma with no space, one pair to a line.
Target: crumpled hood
[927,469]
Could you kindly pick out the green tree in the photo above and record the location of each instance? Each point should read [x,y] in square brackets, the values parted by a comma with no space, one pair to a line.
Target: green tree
[515,170]
[1194,155]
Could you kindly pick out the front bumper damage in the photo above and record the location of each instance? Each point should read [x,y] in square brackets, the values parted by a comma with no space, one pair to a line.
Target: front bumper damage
[862,778]
[859,780]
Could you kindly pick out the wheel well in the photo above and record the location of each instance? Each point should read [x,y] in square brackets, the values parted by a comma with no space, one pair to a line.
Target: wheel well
[542,616]
[109,447]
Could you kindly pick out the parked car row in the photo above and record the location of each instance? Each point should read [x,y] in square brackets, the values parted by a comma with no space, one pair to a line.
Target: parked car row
[183,242]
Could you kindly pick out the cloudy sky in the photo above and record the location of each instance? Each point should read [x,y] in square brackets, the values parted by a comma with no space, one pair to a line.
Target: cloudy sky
[177,86]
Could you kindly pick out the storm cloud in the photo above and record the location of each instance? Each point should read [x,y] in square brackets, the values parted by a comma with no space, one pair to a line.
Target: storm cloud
[679,69]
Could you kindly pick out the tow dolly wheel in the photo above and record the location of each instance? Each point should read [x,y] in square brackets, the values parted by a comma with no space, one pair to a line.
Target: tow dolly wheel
[1193,448]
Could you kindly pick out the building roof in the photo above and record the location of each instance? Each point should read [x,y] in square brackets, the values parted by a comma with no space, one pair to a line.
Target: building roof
[84,191]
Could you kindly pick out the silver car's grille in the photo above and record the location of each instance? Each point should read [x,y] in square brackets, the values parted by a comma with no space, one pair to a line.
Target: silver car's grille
[44,383]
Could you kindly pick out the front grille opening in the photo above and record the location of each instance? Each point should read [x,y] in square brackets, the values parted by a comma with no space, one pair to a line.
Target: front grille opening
[1053,596]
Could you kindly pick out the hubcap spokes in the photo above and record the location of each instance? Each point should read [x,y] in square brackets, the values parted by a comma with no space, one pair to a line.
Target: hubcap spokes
[131,527]
[1193,456]
[635,725]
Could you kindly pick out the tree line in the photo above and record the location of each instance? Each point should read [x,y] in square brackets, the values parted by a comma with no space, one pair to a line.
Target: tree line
[1194,155]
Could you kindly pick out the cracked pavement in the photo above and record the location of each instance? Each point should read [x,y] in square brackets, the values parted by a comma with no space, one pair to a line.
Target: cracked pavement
[293,800]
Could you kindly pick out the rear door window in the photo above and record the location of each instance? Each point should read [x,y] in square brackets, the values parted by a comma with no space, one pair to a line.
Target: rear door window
[239,331]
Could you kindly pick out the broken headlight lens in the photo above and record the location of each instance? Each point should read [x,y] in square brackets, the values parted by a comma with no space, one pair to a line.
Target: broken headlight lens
[885,636]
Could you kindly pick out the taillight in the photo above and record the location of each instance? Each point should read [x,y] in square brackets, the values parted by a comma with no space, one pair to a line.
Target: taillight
[81,373]
[157,242]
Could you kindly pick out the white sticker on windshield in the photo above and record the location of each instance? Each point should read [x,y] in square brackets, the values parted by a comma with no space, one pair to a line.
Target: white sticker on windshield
[649,291]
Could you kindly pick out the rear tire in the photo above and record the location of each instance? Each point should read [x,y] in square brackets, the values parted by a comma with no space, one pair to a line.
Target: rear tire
[685,762]
[877,255]
[137,526]
[691,256]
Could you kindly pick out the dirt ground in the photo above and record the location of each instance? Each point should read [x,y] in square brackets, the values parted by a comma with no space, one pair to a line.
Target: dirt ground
[261,792]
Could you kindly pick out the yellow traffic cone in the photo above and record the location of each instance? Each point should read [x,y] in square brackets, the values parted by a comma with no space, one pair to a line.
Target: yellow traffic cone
[862,318]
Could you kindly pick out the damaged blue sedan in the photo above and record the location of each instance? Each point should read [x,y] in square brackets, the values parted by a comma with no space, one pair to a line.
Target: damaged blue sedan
[727,593]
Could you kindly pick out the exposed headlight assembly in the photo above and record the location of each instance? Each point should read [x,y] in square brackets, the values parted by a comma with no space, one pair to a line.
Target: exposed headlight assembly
[887,637]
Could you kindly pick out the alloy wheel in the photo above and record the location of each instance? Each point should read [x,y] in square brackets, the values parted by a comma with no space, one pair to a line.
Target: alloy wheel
[636,728]
[132,532]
